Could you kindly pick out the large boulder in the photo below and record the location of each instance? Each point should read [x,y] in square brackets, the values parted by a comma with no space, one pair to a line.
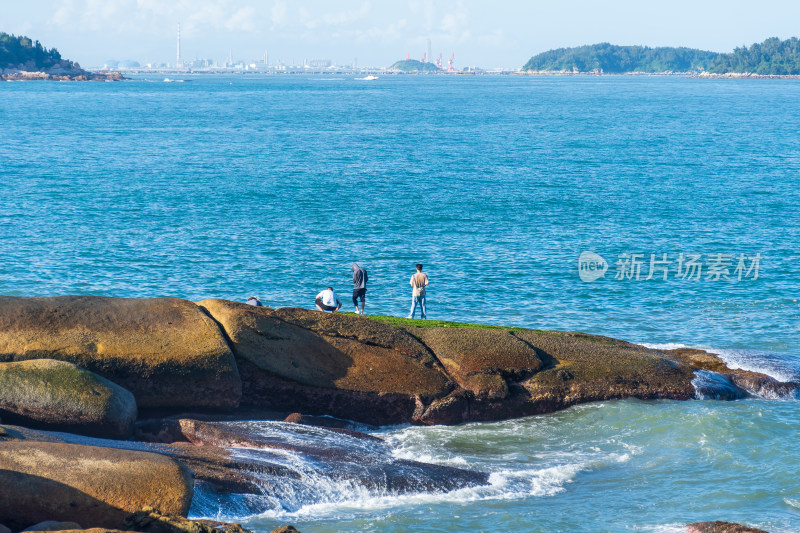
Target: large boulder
[320,363]
[98,487]
[166,351]
[61,396]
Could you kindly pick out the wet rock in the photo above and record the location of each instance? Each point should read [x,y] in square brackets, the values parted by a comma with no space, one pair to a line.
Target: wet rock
[166,351]
[709,385]
[61,396]
[52,525]
[285,529]
[319,421]
[98,486]
[349,456]
[753,383]
[764,386]
[148,520]
[720,527]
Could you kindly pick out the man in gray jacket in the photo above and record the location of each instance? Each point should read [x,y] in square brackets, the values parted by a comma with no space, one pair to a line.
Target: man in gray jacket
[359,287]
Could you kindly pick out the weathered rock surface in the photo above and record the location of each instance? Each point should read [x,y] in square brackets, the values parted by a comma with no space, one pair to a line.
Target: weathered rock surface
[320,363]
[584,368]
[356,368]
[720,527]
[166,351]
[97,486]
[62,396]
[482,361]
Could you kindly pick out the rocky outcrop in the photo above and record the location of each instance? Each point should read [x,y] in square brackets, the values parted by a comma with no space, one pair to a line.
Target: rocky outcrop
[720,527]
[97,487]
[166,351]
[320,363]
[175,354]
[61,396]
[361,369]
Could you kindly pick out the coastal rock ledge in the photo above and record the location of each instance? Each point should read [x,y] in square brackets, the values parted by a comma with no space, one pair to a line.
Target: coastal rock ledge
[175,355]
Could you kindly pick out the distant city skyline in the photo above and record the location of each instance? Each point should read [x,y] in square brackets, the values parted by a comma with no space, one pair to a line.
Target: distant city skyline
[500,34]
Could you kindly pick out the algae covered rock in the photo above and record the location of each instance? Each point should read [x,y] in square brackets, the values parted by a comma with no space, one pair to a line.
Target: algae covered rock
[97,487]
[583,368]
[61,396]
[166,351]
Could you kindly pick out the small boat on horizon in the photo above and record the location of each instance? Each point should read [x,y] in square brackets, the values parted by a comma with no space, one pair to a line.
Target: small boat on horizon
[368,78]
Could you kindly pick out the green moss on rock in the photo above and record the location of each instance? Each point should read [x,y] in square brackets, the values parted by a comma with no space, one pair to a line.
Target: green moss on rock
[60,395]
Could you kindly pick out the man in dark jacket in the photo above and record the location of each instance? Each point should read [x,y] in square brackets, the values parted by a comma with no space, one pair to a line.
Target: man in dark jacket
[359,287]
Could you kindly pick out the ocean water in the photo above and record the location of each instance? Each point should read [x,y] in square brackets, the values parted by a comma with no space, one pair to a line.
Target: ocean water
[272,186]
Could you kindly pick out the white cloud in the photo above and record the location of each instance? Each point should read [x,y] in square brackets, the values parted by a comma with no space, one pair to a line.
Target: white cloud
[279,14]
[243,20]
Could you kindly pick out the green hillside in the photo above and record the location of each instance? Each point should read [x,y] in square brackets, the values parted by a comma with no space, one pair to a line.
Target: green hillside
[412,65]
[615,59]
[772,57]
[23,52]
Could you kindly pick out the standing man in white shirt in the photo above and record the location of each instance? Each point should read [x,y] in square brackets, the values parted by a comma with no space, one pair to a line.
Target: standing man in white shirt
[418,283]
[328,301]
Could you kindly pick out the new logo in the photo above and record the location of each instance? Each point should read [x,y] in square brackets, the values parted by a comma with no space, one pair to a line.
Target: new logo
[591,266]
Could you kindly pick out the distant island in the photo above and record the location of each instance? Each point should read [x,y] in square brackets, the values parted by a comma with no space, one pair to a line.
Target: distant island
[773,57]
[22,58]
[412,65]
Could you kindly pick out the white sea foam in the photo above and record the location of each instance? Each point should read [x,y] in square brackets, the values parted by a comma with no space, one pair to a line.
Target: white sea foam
[503,485]
[783,367]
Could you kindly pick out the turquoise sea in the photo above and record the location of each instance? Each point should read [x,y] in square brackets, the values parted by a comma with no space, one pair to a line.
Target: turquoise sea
[227,187]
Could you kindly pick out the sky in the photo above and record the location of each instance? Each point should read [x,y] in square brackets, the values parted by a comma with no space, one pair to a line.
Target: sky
[487,34]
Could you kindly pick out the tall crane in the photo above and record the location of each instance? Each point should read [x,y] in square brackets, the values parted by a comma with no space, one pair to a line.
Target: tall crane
[450,62]
[439,62]
[424,57]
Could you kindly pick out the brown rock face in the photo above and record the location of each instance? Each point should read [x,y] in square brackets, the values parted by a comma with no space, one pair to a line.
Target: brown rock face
[720,527]
[166,351]
[98,487]
[356,368]
[321,363]
[481,360]
[61,396]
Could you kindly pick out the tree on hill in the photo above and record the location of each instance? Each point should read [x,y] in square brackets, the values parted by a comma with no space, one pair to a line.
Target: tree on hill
[773,56]
[16,51]
[412,65]
[620,59]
